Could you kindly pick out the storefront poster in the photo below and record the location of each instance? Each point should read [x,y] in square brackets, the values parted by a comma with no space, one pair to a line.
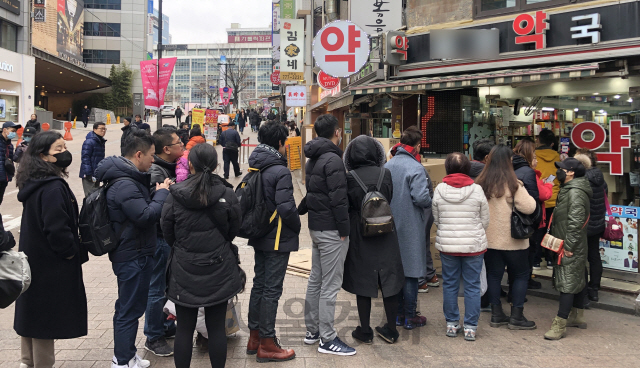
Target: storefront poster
[622,254]
[3,109]
[70,29]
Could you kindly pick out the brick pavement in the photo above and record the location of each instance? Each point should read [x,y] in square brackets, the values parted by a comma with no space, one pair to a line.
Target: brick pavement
[610,341]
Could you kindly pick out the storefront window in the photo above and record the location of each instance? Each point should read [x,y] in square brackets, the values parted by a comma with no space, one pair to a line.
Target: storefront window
[8,36]
[9,108]
[380,122]
[487,8]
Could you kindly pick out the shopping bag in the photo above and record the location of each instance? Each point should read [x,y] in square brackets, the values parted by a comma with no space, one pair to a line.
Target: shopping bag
[231,322]
[15,276]
[483,279]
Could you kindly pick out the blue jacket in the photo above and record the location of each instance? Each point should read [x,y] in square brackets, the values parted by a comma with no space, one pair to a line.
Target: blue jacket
[92,154]
[132,211]
[6,150]
[409,206]
[230,139]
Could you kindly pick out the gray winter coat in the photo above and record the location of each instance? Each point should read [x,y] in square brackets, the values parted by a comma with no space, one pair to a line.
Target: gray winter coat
[409,204]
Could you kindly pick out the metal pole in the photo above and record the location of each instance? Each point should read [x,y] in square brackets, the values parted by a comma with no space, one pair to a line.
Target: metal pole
[159,55]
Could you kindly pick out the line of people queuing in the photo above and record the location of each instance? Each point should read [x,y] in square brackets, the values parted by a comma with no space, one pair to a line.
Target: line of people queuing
[176,233]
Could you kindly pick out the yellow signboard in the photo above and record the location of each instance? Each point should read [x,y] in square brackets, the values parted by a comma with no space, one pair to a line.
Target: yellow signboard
[295,148]
[197,118]
[292,76]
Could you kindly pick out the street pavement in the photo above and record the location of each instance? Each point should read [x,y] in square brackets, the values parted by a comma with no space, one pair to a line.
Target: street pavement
[610,341]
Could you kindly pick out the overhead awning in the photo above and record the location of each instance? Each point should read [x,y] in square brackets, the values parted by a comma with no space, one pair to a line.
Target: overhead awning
[345,99]
[491,78]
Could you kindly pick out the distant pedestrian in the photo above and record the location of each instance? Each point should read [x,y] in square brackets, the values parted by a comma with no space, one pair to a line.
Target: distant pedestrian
[411,199]
[200,219]
[127,131]
[241,118]
[7,167]
[372,262]
[273,250]
[85,115]
[230,141]
[27,135]
[55,305]
[141,124]
[93,151]
[461,213]
[569,223]
[255,119]
[189,118]
[328,207]
[179,116]
[134,214]
[34,123]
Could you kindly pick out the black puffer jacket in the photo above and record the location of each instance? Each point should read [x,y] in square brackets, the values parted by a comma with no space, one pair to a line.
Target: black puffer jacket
[277,186]
[131,209]
[526,175]
[160,171]
[203,267]
[326,183]
[476,169]
[598,206]
[127,131]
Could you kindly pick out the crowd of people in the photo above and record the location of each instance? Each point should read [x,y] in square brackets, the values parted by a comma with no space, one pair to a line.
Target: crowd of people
[176,220]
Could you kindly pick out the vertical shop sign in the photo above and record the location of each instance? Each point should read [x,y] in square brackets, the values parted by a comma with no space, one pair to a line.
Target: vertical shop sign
[619,138]
[288,9]
[530,30]
[292,49]
[375,16]
[39,15]
[622,254]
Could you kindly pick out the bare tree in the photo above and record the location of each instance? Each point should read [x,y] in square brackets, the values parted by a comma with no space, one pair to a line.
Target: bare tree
[238,73]
[211,94]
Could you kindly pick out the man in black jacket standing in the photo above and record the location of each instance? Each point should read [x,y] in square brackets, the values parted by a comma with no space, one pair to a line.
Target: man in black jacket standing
[127,131]
[85,115]
[179,116]
[272,251]
[230,141]
[169,149]
[328,208]
[134,214]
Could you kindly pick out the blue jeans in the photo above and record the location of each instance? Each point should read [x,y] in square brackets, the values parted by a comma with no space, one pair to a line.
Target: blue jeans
[133,290]
[156,323]
[469,268]
[408,298]
[270,270]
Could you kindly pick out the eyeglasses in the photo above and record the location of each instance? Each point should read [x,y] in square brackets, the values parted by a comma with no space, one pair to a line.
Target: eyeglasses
[105,129]
[174,144]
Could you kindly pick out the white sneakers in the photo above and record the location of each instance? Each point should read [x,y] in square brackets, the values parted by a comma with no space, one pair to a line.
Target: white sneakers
[136,362]
[22,365]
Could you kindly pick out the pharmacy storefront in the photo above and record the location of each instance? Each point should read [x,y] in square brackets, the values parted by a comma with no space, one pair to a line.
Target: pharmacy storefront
[17,80]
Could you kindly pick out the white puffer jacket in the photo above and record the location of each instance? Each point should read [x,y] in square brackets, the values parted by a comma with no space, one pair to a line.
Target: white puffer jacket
[462,216]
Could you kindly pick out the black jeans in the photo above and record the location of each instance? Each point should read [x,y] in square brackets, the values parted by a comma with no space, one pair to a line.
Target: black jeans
[568,301]
[178,120]
[517,262]
[3,188]
[230,155]
[214,318]
[270,269]
[595,263]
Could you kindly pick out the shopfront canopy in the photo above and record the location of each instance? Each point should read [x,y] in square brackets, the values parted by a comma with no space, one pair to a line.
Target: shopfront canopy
[484,79]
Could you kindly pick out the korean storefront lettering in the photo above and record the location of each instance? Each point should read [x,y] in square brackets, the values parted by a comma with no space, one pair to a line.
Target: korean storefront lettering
[619,138]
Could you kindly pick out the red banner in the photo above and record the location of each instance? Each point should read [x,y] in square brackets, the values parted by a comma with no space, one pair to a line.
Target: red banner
[61,4]
[211,117]
[154,84]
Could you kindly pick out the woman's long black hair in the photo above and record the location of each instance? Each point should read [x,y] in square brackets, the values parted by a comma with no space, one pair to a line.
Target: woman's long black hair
[204,159]
[195,131]
[32,166]
[498,174]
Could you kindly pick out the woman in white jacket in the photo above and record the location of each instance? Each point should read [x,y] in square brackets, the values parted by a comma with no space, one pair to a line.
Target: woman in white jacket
[461,213]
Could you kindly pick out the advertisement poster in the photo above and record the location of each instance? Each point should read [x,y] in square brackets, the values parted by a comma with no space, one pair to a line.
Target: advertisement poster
[3,109]
[622,254]
[70,30]
[198,118]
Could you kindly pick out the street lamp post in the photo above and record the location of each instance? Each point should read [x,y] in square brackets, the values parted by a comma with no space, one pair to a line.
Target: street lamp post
[226,108]
[159,57]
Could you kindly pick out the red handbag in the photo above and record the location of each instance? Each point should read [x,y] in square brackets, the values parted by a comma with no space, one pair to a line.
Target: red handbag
[612,231]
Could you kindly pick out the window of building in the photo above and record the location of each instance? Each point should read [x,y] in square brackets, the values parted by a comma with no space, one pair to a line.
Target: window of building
[101,56]
[8,36]
[202,52]
[102,29]
[488,8]
[191,52]
[102,4]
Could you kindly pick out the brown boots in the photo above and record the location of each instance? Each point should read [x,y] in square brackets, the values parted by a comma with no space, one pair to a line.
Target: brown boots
[254,342]
[271,351]
[268,350]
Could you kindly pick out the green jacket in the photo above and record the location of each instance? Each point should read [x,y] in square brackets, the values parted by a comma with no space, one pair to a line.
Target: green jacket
[569,224]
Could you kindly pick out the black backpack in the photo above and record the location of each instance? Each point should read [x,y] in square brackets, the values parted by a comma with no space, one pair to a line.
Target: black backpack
[256,218]
[375,213]
[96,230]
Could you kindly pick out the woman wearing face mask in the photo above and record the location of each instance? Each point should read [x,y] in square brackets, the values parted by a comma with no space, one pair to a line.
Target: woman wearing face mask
[55,305]
[27,135]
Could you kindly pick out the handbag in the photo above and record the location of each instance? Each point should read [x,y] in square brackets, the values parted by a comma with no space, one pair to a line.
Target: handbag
[9,166]
[612,230]
[521,224]
[554,244]
[15,276]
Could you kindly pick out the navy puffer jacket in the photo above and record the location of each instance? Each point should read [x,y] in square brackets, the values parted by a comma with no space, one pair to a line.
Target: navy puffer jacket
[132,210]
[6,150]
[277,186]
[598,206]
[92,153]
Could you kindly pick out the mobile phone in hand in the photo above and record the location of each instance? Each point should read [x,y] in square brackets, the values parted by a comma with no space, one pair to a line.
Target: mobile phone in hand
[550,179]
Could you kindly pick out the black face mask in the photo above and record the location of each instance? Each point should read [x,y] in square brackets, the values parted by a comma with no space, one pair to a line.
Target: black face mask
[64,159]
[561,176]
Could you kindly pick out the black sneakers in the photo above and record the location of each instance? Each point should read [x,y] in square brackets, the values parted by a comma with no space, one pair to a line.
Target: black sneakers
[387,334]
[159,347]
[362,335]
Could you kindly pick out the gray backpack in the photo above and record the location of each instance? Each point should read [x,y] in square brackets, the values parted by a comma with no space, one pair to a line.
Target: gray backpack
[375,213]
[15,276]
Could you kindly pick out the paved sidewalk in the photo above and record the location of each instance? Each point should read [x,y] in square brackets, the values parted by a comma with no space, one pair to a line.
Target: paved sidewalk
[610,341]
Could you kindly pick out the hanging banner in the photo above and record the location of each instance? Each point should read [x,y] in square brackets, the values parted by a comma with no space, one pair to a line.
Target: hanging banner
[622,254]
[225,95]
[292,49]
[288,10]
[154,90]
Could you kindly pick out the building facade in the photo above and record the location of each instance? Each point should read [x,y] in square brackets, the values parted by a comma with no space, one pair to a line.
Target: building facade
[166,36]
[198,70]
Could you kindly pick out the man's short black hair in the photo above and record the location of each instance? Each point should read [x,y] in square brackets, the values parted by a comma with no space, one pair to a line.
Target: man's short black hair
[97,125]
[326,126]
[630,253]
[170,127]
[411,136]
[162,138]
[140,140]
[457,163]
[138,116]
[272,134]
[481,148]
[546,137]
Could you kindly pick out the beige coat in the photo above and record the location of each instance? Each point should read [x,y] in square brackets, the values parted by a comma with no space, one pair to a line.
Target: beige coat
[499,231]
